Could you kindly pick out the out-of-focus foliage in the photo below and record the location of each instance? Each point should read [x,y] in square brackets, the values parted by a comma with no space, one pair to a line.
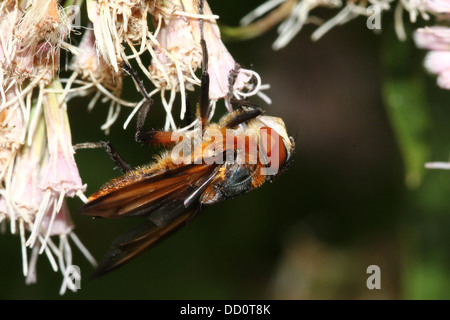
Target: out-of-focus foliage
[405,101]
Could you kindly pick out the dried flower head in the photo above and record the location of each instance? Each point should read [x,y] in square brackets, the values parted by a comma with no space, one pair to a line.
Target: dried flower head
[115,23]
[37,166]
[177,55]
[38,170]
[173,45]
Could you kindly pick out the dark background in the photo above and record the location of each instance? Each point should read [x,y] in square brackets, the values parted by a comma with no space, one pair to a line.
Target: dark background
[342,205]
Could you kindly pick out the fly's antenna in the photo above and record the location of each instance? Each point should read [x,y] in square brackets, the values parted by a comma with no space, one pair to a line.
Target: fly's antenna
[128,69]
[204,88]
[202,40]
[200,11]
[143,111]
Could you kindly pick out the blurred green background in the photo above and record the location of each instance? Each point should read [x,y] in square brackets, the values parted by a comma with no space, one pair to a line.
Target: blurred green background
[365,116]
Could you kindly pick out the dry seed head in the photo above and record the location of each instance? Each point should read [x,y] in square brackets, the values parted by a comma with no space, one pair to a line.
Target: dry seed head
[177,54]
[38,176]
[116,22]
[39,36]
[12,133]
[177,51]
[93,68]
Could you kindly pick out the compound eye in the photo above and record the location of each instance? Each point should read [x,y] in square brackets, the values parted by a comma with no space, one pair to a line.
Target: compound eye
[273,147]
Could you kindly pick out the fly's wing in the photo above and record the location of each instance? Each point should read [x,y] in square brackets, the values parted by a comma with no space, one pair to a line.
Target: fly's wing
[168,200]
[149,194]
[136,241]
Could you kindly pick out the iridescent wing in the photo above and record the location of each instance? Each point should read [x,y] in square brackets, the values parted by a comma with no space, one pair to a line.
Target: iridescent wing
[168,200]
[135,242]
[147,193]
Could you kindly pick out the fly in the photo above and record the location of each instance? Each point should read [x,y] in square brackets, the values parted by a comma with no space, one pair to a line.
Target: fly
[211,163]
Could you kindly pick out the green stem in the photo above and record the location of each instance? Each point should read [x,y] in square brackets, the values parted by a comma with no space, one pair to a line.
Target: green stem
[260,26]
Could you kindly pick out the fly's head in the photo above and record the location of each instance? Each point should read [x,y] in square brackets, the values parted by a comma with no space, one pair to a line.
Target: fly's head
[276,147]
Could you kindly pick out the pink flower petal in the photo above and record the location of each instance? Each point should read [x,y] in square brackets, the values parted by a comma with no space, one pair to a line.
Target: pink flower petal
[433,38]
[443,80]
[61,172]
[439,6]
[437,61]
[62,224]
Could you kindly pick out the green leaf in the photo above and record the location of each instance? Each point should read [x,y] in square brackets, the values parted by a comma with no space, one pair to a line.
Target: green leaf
[407,110]
[404,95]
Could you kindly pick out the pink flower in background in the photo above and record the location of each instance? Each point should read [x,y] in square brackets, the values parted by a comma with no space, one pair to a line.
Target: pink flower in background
[437,6]
[437,61]
[433,38]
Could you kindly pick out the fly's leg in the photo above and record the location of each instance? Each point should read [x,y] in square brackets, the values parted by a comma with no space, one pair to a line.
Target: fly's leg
[123,166]
[241,117]
[203,106]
